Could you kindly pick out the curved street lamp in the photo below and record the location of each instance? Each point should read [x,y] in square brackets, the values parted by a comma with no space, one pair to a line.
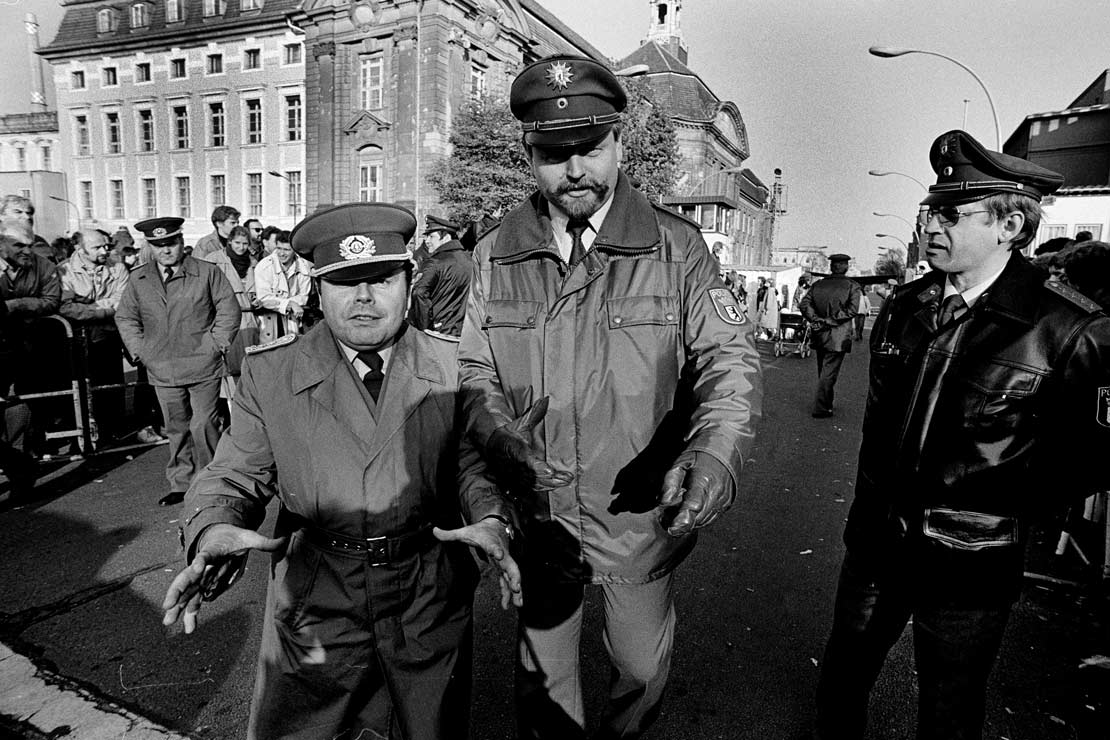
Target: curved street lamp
[894,215]
[72,205]
[888,52]
[884,173]
[701,181]
[892,236]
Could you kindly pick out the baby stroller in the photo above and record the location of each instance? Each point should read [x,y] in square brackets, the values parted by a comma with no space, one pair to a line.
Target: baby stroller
[793,335]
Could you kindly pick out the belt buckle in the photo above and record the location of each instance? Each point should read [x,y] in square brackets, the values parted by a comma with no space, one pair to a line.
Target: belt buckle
[377,552]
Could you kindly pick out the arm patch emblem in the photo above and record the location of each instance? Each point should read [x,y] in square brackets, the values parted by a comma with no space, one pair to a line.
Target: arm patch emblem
[724,303]
[1102,413]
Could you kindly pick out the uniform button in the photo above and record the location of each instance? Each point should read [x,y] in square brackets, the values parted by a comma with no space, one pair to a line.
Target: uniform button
[670,317]
[489,319]
[531,321]
[617,320]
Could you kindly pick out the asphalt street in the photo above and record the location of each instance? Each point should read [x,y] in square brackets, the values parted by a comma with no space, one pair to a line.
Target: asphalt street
[86,565]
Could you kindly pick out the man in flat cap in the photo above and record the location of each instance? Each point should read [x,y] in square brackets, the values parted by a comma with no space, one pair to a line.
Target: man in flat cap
[178,316]
[439,295]
[830,306]
[986,380]
[352,426]
[608,312]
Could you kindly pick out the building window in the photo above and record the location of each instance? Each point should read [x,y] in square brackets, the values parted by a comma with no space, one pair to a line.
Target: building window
[254,194]
[146,130]
[106,21]
[81,134]
[142,72]
[111,131]
[115,187]
[217,190]
[20,159]
[293,194]
[370,182]
[180,127]
[86,199]
[294,118]
[370,83]
[111,79]
[293,54]
[477,81]
[140,18]
[252,59]
[47,157]
[184,197]
[214,8]
[77,80]
[150,197]
[1095,229]
[177,69]
[215,64]
[254,121]
[175,11]
[1052,231]
[217,126]
[251,5]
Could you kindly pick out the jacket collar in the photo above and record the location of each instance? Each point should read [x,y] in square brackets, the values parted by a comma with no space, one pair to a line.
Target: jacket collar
[630,227]
[1015,292]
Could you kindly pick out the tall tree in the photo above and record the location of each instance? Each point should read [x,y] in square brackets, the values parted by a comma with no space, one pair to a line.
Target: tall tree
[649,140]
[487,171]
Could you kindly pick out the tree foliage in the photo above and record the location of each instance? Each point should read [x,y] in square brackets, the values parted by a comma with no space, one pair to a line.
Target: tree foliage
[650,142]
[487,171]
[891,263]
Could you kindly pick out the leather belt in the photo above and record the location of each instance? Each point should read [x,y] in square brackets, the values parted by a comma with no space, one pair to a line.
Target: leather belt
[378,550]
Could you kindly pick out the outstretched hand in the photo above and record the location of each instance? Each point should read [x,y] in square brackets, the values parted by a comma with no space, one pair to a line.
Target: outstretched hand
[513,459]
[491,537]
[220,560]
[697,489]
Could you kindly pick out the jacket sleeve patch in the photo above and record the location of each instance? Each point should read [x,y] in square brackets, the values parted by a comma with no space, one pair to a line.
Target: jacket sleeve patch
[1102,413]
[724,303]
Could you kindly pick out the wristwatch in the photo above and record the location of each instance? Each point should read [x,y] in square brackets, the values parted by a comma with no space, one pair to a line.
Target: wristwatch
[504,522]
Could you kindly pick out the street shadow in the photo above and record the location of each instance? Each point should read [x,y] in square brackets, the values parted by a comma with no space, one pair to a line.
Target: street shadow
[100,632]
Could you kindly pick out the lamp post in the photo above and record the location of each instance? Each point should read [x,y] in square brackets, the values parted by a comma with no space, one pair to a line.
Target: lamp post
[894,215]
[892,236]
[296,207]
[884,173]
[701,181]
[888,52]
[72,205]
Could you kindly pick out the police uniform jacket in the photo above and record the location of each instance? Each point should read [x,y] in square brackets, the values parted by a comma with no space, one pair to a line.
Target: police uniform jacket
[181,329]
[972,429]
[832,302]
[643,353]
[439,295]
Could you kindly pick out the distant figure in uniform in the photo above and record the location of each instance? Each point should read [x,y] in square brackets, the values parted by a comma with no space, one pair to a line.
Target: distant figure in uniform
[178,316]
[590,300]
[830,305]
[352,426]
[986,382]
[439,296]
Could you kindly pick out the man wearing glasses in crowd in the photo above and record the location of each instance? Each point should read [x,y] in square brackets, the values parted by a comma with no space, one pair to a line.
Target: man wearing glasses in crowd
[985,380]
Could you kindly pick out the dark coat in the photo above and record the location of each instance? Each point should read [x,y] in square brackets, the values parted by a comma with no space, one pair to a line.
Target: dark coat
[439,295]
[831,304]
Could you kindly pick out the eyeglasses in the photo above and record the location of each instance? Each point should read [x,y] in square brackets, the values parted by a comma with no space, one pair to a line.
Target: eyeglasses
[949,215]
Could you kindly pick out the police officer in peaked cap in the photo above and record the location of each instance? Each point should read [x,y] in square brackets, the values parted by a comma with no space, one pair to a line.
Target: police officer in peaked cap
[440,292]
[583,301]
[368,613]
[987,379]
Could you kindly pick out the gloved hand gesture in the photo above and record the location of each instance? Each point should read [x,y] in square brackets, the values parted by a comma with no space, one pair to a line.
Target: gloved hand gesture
[696,490]
[520,468]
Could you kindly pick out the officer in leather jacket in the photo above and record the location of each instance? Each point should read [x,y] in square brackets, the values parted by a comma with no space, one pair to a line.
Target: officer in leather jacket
[984,376]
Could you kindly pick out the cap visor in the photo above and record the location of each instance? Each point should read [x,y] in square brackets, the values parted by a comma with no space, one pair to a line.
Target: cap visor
[362,273]
[955,198]
[556,138]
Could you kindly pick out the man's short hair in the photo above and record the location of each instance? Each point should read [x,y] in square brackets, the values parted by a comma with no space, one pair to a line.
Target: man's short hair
[1002,204]
[1083,236]
[223,213]
[268,232]
[248,222]
[284,236]
[17,200]
[239,231]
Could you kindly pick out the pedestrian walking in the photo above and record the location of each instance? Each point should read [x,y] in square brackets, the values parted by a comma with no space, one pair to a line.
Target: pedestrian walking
[368,614]
[607,310]
[829,306]
[986,381]
[861,317]
[178,316]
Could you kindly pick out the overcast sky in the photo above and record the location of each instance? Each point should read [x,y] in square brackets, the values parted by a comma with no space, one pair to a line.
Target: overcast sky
[815,103]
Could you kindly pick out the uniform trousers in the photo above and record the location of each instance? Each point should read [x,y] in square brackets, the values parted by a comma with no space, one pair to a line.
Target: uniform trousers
[828,370]
[638,636]
[191,425]
[955,648]
[355,651]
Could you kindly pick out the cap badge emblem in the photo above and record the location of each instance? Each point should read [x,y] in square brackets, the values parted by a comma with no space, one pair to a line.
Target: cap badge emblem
[159,232]
[559,75]
[356,246]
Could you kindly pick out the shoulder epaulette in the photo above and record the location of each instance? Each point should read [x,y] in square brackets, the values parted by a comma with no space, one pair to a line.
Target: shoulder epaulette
[281,341]
[1072,295]
[441,335]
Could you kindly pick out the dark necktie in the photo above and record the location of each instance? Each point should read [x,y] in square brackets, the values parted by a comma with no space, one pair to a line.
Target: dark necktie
[169,273]
[374,378]
[950,309]
[577,249]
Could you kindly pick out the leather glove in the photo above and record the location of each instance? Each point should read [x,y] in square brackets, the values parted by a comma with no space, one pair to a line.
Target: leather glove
[514,461]
[696,490]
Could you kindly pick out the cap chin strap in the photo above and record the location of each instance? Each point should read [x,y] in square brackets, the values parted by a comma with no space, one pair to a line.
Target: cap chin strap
[565,123]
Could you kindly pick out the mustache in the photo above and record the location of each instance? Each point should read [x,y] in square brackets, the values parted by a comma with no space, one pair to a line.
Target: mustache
[597,187]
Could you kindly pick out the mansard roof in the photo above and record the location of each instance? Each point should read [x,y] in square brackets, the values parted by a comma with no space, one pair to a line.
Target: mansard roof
[674,85]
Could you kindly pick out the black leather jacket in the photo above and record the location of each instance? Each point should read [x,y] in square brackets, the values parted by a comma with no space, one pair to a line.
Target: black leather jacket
[971,430]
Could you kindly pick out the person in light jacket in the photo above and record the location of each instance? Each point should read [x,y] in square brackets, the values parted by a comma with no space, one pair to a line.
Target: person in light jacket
[283,284]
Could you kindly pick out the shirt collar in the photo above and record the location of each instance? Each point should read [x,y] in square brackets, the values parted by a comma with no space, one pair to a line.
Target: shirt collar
[361,367]
[559,221]
[973,293]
